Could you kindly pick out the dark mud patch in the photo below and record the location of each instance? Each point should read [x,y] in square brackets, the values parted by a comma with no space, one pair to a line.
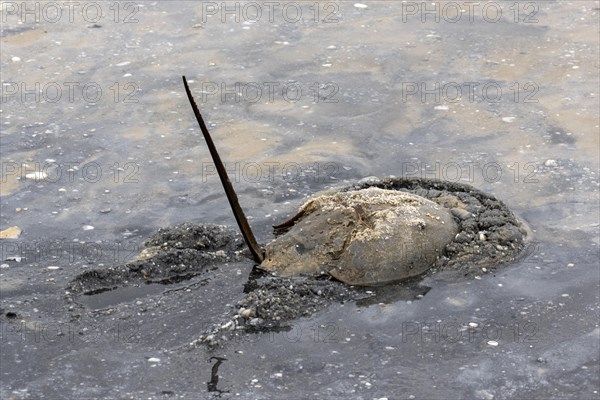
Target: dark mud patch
[272,303]
[278,299]
[175,260]
[198,237]
[490,236]
[170,256]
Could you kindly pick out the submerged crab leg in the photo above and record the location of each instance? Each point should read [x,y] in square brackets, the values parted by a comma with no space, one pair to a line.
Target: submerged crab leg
[257,252]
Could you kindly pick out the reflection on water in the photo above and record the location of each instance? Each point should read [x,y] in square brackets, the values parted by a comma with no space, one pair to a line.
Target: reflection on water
[212,385]
[112,297]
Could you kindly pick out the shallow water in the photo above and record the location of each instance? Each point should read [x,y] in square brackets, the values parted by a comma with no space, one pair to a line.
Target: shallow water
[105,299]
[132,159]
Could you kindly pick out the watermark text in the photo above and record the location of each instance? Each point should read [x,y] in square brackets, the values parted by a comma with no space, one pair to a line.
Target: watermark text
[271,171]
[472,92]
[271,11]
[254,92]
[58,253]
[54,12]
[490,172]
[69,92]
[69,172]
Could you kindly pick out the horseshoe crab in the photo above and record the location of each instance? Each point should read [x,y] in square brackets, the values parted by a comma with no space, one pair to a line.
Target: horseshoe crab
[362,237]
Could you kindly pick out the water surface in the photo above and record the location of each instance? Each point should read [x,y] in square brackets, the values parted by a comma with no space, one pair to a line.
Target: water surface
[379,97]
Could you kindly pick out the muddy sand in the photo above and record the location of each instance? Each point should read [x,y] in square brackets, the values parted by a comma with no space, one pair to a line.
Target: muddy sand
[490,237]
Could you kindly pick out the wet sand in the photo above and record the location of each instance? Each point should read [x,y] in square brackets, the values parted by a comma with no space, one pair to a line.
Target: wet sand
[133,161]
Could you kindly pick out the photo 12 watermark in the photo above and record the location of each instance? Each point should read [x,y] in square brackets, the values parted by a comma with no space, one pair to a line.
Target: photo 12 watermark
[54,12]
[316,333]
[69,172]
[69,92]
[411,332]
[329,12]
[472,92]
[467,171]
[253,172]
[469,11]
[62,253]
[255,92]
[291,12]
[469,332]
[13,330]
[490,172]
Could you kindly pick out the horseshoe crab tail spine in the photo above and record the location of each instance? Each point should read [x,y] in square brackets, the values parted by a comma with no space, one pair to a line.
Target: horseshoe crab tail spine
[257,252]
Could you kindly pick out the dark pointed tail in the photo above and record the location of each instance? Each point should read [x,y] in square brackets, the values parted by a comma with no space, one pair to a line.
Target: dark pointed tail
[257,252]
